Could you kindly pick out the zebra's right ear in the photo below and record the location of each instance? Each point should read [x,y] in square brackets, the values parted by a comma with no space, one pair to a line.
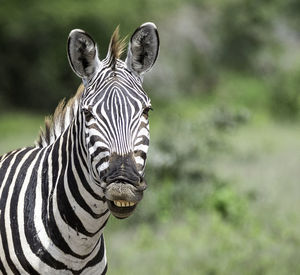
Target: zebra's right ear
[82,54]
[143,49]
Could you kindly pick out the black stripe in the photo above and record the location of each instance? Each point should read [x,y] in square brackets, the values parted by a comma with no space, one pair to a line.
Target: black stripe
[2,270]
[144,141]
[139,153]
[77,156]
[64,207]
[4,166]
[105,270]
[80,140]
[3,203]
[98,258]
[45,188]
[3,157]
[67,213]
[84,181]
[51,226]
[73,185]
[14,213]
[30,230]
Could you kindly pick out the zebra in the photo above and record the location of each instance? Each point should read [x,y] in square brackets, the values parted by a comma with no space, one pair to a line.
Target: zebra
[87,163]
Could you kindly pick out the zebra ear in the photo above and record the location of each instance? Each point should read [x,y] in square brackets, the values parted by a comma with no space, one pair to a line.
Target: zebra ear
[82,54]
[143,49]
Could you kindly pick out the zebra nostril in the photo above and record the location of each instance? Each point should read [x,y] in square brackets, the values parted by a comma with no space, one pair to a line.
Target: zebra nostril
[142,186]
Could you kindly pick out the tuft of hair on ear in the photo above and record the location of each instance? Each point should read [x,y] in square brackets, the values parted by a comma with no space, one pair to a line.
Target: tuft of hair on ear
[116,47]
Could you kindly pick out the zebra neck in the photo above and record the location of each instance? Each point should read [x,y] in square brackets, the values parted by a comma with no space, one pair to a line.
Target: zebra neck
[77,211]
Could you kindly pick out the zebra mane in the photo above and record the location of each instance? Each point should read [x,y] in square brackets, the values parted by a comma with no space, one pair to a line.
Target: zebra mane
[56,124]
[116,47]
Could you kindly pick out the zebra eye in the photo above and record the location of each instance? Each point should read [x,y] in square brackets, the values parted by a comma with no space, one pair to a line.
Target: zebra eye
[87,113]
[146,111]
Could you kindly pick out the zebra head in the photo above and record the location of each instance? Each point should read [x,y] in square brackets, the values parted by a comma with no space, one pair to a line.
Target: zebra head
[114,110]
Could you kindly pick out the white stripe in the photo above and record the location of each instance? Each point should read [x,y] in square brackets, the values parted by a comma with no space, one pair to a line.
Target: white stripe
[139,139]
[3,260]
[98,268]
[54,251]
[95,205]
[9,236]
[33,260]
[78,242]
[47,243]
[144,120]
[143,132]
[93,149]
[139,160]
[2,255]
[96,189]
[103,166]
[67,117]
[90,224]
[142,147]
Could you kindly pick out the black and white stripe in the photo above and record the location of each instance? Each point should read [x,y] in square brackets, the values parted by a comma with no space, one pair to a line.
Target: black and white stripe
[53,196]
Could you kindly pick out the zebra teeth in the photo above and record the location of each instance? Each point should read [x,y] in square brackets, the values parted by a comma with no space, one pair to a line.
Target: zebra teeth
[124,203]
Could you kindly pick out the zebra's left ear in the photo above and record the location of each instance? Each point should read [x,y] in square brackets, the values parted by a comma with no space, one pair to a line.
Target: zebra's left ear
[82,54]
[143,49]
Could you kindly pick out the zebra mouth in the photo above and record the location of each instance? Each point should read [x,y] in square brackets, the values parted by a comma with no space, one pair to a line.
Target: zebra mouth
[122,199]
[121,209]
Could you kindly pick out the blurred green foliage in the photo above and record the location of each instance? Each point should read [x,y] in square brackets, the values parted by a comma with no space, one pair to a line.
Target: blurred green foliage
[200,40]
[35,73]
[285,100]
[244,29]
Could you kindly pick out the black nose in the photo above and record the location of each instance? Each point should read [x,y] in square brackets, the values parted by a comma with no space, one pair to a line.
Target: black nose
[122,169]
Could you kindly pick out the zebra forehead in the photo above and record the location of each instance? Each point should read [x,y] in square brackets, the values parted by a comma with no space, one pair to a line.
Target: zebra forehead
[120,86]
[118,93]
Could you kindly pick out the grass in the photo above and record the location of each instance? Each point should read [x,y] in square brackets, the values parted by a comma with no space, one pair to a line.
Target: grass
[18,129]
[265,162]
[198,243]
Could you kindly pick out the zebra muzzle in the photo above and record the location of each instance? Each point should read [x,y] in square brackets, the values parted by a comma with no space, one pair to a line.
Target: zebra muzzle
[122,199]
[123,185]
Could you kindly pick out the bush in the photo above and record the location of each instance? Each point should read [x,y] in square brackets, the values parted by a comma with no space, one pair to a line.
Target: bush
[285,95]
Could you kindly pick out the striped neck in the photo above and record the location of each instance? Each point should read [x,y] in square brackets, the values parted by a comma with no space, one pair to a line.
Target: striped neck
[76,208]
